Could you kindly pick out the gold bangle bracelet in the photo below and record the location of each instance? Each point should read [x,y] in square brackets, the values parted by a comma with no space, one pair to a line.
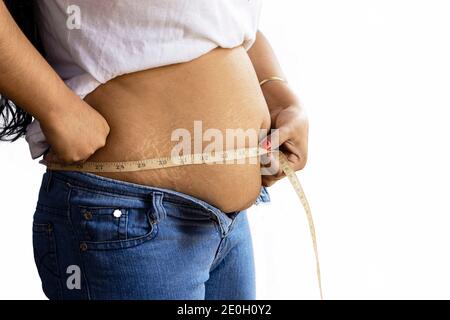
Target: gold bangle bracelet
[272,79]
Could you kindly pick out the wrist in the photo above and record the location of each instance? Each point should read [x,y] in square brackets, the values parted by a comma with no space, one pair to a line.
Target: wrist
[295,111]
[278,93]
[279,96]
[65,104]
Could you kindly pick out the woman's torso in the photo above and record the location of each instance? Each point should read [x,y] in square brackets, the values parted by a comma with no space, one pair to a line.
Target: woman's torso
[143,108]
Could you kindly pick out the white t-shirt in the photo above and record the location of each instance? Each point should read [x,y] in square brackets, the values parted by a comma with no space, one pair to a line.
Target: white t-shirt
[89,42]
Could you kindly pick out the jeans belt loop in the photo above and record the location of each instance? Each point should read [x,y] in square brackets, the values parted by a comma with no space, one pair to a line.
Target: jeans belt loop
[158,208]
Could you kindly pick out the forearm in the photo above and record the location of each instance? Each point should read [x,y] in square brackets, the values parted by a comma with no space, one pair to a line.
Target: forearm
[277,94]
[25,76]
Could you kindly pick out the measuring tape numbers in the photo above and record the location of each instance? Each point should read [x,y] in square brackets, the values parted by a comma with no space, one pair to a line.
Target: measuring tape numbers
[202,158]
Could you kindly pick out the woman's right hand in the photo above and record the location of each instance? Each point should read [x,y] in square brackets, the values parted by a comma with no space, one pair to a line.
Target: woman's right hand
[74,134]
[73,129]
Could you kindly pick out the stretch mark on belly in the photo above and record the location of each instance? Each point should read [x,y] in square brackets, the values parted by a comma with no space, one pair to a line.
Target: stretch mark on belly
[218,157]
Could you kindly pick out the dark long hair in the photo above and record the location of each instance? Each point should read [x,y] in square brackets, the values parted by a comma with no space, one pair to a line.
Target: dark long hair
[13,119]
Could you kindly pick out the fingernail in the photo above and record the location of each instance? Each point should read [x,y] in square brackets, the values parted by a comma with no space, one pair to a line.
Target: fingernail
[266,143]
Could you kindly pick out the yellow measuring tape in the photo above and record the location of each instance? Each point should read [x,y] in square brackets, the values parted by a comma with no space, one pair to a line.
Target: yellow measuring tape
[201,158]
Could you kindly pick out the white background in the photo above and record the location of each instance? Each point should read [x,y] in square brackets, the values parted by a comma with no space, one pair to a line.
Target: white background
[375,78]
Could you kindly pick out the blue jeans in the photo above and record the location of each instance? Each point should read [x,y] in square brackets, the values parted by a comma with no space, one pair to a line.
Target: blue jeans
[100,238]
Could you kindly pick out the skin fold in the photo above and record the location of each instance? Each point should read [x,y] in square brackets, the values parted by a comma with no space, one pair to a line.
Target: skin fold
[142,109]
[132,116]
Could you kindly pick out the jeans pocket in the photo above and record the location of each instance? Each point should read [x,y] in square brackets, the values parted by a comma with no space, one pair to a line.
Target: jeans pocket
[45,257]
[114,227]
[102,224]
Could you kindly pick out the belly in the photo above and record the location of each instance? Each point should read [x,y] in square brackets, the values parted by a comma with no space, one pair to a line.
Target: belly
[148,110]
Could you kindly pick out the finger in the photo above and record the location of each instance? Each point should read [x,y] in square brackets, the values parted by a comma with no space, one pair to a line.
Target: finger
[278,136]
[295,153]
[296,160]
[281,139]
[268,181]
[50,156]
[270,165]
[272,173]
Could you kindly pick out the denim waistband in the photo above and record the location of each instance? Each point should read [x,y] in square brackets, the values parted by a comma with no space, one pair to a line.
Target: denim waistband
[99,183]
[129,189]
[92,180]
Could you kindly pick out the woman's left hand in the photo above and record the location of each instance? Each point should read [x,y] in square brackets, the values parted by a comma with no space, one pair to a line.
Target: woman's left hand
[291,138]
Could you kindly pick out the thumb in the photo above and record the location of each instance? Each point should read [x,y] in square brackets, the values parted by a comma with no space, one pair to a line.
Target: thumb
[277,137]
[270,163]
